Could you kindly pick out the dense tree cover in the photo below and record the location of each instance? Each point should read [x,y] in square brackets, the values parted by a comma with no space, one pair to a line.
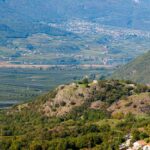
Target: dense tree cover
[51,134]
[82,128]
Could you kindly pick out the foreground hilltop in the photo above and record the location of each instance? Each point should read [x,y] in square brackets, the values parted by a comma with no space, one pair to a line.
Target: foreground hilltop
[93,115]
[99,95]
[138,70]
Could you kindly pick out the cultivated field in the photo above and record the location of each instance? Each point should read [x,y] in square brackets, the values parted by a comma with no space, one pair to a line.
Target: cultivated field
[26,83]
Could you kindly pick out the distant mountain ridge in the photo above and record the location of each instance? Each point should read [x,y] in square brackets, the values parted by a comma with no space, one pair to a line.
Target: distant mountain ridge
[129,13]
[138,70]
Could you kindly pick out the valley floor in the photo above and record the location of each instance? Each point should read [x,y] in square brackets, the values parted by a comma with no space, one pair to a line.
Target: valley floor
[23,84]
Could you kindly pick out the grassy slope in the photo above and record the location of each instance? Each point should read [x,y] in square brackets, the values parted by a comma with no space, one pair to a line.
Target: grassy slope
[138,70]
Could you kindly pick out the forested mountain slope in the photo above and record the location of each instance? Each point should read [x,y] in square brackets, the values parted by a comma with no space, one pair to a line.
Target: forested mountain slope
[138,70]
